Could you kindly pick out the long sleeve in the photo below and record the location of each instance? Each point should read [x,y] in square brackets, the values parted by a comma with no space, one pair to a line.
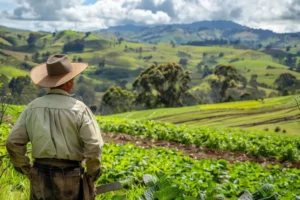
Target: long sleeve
[93,142]
[16,145]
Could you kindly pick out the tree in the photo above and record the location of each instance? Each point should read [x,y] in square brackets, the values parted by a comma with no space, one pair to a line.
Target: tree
[85,92]
[162,85]
[206,71]
[35,57]
[244,82]
[120,40]
[285,81]
[26,58]
[253,81]
[22,90]
[101,63]
[116,100]
[199,67]
[183,62]
[4,83]
[290,61]
[87,34]
[75,46]
[32,38]
[227,76]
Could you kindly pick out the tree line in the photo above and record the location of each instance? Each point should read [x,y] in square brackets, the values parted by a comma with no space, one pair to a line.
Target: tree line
[158,86]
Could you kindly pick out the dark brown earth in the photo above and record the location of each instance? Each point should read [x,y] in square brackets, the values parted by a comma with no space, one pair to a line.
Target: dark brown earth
[194,151]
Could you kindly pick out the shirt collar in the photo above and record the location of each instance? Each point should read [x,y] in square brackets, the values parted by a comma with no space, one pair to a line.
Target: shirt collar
[59,91]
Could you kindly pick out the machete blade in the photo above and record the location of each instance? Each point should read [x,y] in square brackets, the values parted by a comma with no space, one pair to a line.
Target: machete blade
[108,187]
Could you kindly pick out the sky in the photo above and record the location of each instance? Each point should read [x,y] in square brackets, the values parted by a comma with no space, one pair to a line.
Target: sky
[88,15]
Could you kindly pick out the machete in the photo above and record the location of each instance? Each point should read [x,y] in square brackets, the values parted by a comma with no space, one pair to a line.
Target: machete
[108,187]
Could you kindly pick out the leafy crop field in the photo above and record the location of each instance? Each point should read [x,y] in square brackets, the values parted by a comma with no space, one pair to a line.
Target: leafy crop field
[188,178]
[281,147]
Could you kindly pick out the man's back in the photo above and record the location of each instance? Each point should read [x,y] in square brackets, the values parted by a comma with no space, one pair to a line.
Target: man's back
[53,123]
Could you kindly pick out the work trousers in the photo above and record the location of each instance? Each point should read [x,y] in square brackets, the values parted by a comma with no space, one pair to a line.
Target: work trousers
[55,183]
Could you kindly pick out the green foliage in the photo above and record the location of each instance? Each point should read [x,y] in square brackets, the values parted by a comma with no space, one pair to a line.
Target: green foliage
[172,174]
[74,46]
[116,100]
[162,85]
[33,37]
[227,77]
[23,90]
[84,91]
[285,81]
[284,148]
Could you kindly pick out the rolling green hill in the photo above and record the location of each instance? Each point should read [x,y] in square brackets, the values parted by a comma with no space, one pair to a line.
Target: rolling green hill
[122,61]
[206,33]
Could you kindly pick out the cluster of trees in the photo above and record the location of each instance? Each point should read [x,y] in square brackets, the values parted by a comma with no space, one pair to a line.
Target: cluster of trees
[156,87]
[287,84]
[168,86]
[21,88]
[74,46]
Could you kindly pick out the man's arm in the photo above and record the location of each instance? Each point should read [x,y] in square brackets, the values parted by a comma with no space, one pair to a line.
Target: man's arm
[16,145]
[92,139]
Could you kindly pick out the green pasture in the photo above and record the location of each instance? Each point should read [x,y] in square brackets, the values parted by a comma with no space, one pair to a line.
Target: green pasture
[5,42]
[260,68]
[260,115]
[11,72]
[19,55]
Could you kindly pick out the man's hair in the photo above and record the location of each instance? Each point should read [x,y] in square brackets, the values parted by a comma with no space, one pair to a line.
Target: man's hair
[60,86]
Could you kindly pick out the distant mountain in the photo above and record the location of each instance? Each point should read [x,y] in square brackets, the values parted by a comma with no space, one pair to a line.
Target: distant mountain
[205,32]
[125,28]
[220,24]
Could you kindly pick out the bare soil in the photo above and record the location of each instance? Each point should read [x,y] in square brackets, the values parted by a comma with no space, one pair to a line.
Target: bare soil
[194,151]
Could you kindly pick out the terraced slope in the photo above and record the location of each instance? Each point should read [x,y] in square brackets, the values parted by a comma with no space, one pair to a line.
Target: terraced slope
[257,115]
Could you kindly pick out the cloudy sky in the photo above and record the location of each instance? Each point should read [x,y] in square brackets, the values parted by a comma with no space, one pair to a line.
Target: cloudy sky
[84,15]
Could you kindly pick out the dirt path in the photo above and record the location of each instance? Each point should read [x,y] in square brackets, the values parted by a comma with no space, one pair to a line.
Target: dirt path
[193,151]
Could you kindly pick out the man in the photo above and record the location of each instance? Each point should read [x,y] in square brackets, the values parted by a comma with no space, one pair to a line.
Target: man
[63,132]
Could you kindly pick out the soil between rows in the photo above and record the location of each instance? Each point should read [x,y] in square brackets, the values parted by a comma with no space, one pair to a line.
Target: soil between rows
[194,151]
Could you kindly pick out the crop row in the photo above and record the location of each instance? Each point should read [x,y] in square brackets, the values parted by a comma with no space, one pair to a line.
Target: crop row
[281,147]
[213,179]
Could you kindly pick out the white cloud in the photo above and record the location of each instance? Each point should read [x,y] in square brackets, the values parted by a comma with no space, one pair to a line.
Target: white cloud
[277,15]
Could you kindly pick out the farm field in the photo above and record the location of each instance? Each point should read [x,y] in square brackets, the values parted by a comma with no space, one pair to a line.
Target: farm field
[208,179]
[202,152]
[256,115]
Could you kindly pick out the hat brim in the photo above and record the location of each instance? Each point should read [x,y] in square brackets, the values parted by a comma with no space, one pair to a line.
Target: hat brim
[40,76]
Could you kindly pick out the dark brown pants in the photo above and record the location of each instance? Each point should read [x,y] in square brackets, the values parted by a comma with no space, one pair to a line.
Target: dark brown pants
[55,184]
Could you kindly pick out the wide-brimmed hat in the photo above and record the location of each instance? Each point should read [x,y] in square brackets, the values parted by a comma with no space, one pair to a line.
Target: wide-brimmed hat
[56,71]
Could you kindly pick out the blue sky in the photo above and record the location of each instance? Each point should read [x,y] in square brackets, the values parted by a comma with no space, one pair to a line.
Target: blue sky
[87,2]
[86,15]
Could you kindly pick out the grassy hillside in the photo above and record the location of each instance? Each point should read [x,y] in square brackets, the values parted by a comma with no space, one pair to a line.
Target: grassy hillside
[11,72]
[124,61]
[258,115]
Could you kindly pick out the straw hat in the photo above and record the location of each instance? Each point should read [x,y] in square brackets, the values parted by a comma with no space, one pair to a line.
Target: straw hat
[56,71]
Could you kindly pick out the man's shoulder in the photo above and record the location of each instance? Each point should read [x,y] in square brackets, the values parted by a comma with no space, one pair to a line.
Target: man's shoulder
[57,102]
[79,105]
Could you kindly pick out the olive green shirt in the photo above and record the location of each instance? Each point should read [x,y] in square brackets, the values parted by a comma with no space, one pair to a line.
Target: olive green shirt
[58,126]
